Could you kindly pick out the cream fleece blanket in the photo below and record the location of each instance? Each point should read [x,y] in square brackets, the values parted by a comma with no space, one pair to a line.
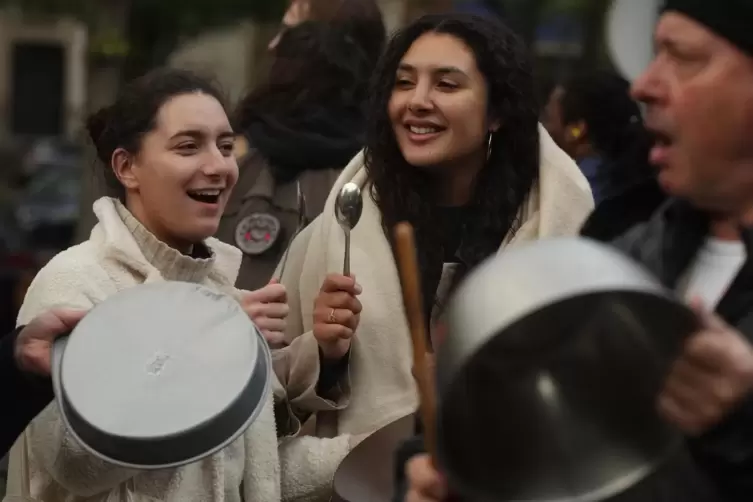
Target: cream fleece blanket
[49,463]
[382,388]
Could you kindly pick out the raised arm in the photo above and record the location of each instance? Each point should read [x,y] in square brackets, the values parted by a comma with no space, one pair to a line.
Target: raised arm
[310,384]
[52,448]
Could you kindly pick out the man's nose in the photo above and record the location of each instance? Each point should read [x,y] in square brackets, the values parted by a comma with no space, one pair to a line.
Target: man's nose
[646,87]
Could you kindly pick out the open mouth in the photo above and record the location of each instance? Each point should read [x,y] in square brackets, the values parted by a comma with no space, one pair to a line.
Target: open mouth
[659,154]
[205,196]
[423,130]
[661,139]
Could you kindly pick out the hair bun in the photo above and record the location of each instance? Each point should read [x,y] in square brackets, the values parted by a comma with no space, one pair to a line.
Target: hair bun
[97,126]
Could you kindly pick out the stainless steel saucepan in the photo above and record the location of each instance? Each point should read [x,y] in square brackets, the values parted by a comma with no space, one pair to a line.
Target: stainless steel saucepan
[161,375]
[548,377]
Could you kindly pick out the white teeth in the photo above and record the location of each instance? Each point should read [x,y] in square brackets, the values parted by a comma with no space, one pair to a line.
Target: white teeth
[208,193]
[422,130]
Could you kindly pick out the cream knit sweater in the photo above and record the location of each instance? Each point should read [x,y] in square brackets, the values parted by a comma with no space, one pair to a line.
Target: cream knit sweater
[121,253]
[382,388]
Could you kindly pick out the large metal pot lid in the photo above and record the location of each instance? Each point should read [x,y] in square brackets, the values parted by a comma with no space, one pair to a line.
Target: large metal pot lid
[162,374]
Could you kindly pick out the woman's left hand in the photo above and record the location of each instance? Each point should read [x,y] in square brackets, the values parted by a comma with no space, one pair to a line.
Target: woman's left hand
[268,308]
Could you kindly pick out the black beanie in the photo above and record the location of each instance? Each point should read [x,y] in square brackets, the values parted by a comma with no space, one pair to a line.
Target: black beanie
[731,19]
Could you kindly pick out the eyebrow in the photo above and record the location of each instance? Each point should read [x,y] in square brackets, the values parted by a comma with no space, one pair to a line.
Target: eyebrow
[196,133]
[672,44]
[442,70]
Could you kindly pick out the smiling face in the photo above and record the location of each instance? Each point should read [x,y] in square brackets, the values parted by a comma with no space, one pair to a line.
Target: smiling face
[179,181]
[699,96]
[438,106]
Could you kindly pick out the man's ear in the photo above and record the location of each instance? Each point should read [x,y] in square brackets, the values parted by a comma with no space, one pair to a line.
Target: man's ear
[494,125]
[122,165]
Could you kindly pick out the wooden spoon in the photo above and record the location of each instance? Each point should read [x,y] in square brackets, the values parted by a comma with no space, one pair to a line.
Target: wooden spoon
[407,264]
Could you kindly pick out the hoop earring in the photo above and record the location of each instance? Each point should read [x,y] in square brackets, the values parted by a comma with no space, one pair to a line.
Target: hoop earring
[489,147]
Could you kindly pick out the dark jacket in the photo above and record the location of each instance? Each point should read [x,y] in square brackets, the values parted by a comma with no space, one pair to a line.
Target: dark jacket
[666,245]
[722,459]
[257,192]
[23,397]
[622,210]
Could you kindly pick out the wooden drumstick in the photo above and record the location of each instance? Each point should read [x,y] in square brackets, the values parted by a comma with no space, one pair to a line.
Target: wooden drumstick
[407,264]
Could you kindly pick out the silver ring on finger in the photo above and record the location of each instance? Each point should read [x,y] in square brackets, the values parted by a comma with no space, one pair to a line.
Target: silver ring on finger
[332,319]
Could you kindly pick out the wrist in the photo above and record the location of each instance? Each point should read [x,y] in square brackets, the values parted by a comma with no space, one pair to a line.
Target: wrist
[17,349]
[333,357]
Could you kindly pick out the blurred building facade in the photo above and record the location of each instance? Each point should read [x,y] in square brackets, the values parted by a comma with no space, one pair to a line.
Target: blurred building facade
[43,76]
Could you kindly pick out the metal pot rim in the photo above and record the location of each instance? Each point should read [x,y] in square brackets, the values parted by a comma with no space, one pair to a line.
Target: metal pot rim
[181,447]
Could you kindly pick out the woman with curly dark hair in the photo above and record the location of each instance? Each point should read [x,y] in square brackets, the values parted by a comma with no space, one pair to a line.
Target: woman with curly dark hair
[454,147]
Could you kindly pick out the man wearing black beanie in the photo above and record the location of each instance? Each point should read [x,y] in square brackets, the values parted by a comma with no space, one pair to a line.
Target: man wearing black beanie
[698,93]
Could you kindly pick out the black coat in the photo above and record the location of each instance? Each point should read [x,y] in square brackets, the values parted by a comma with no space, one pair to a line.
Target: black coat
[666,245]
[621,211]
[23,396]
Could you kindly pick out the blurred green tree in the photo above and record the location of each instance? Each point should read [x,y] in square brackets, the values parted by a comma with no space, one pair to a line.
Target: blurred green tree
[147,31]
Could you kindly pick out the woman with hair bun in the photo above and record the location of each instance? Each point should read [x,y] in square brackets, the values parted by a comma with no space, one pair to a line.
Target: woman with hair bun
[167,149]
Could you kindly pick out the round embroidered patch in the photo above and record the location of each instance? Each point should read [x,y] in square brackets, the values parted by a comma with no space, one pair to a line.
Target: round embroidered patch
[257,233]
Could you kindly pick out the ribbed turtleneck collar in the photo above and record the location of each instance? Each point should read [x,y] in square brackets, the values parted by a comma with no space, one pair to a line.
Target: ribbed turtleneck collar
[172,264]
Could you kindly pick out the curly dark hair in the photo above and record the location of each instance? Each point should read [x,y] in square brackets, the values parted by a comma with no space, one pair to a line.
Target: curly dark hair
[402,192]
[602,100]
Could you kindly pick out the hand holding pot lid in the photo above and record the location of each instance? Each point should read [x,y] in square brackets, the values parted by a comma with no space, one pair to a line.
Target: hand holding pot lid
[33,348]
[268,307]
[711,377]
[554,357]
[161,375]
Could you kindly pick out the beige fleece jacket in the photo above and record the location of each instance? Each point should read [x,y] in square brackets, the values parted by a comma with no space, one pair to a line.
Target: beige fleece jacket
[381,385]
[48,462]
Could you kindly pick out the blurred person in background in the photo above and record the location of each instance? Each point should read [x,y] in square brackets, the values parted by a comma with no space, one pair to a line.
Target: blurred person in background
[363,19]
[594,119]
[299,128]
